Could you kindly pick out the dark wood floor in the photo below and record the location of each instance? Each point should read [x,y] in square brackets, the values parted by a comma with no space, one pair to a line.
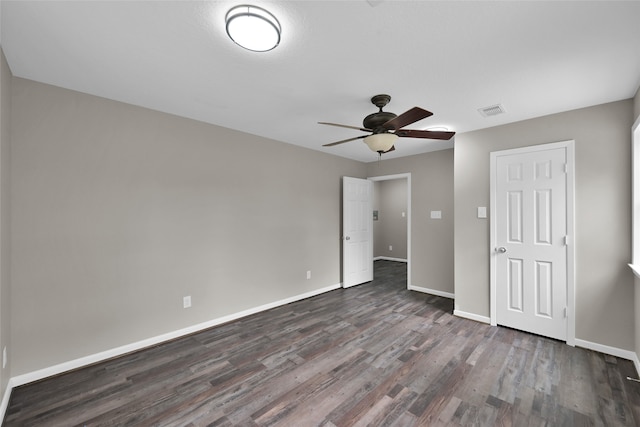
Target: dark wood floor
[373,355]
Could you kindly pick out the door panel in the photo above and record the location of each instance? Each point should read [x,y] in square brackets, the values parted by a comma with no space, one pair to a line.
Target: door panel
[515,285]
[515,216]
[530,253]
[357,239]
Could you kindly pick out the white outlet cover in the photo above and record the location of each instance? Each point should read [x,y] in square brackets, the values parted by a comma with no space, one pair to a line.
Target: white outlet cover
[482,211]
[186,302]
[436,214]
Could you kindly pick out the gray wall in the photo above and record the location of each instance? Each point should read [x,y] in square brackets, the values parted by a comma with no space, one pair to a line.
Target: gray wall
[604,283]
[119,212]
[5,193]
[391,227]
[431,239]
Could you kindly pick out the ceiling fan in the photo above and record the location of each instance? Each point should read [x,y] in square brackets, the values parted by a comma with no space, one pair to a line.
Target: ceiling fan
[385,127]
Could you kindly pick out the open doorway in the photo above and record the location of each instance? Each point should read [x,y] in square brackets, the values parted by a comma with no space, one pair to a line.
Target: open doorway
[392,219]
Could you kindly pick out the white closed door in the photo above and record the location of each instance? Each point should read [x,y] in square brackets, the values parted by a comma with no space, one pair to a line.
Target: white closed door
[357,237]
[530,236]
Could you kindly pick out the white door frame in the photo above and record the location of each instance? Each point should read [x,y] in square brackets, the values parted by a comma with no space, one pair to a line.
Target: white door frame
[569,146]
[635,189]
[406,176]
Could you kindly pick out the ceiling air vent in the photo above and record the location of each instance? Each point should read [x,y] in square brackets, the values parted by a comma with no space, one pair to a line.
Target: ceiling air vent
[492,110]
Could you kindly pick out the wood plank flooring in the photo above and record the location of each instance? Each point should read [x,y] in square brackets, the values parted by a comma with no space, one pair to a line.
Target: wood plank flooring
[372,355]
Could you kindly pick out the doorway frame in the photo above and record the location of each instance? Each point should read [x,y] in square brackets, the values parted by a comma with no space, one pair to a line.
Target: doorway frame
[569,147]
[406,176]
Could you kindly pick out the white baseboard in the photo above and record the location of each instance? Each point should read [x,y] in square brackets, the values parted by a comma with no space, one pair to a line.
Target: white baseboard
[119,351]
[613,351]
[636,362]
[431,291]
[471,316]
[5,400]
[387,258]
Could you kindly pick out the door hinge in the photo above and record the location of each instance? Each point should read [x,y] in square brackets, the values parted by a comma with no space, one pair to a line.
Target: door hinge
[565,312]
[566,168]
[567,240]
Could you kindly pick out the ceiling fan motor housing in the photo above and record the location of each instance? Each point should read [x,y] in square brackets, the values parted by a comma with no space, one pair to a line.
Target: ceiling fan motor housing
[376,120]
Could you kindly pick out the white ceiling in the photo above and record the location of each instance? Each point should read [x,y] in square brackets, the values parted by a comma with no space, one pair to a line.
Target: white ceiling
[452,58]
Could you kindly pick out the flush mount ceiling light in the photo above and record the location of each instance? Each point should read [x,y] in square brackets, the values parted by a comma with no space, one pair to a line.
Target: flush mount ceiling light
[381,142]
[253,28]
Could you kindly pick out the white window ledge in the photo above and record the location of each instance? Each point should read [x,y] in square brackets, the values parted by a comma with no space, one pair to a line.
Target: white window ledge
[636,269]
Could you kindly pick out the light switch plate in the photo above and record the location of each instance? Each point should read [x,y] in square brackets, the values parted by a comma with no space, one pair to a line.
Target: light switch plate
[482,212]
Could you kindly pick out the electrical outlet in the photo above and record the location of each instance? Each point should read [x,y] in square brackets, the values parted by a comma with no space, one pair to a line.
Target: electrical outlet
[308,274]
[186,301]
[390,248]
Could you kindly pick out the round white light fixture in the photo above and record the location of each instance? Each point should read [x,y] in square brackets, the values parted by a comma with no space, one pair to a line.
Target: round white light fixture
[381,142]
[253,28]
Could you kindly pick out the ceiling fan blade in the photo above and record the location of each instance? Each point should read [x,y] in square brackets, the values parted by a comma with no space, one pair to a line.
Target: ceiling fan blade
[344,140]
[429,134]
[345,126]
[406,118]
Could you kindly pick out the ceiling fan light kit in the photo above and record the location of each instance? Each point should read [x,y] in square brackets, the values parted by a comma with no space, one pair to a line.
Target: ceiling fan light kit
[386,127]
[253,28]
[380,142]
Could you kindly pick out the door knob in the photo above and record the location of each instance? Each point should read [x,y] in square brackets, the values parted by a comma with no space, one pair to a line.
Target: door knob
[501,249]
[347,238]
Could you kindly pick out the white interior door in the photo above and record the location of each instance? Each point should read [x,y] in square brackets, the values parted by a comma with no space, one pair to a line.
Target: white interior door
[530,230]
[357,225]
